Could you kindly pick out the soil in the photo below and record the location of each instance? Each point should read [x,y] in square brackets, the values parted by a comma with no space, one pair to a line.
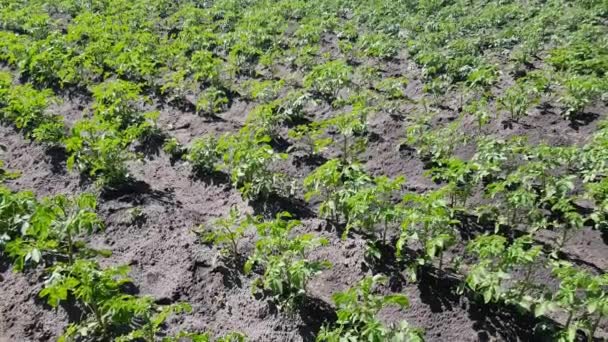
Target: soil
[168,262]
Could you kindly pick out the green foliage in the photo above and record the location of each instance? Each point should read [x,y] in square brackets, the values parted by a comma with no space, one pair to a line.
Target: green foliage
[378,45]
[459,176]
[351,127]
[479,110]
[358,308]
[579,91]
[496,261]
[17,214]
[106,307]
[73,216]
[100,150]
[433,145]
[429,222]
[311,136]
[582,296]
[328,79]
[291,106]
[118,101]
[33,231]
[281,55]
[283,257]
[150,323]
[204,154]
[173,148]
[211,101]
[6,81]
[266,119]
[483,77]
[25,107]
[206,337]
[227,232]
[248,159]
[5,174]
[243,57]
[580,57]
[598,192]
[393,87]
[205,67]
[334,182]
[263,91]
[517,99]
[371,207]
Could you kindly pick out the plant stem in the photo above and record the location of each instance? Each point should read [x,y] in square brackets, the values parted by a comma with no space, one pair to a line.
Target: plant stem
[526,281]
[70,248]
[563,239]
[345,151]
[594,328]
[99,317]
[570,314]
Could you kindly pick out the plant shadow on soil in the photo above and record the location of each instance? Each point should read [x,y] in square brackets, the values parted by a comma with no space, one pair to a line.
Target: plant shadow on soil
[583,119]
[491,321]
[276,203]
[314,313]
[439,291]
[136,191]
[58,158]
[231,271]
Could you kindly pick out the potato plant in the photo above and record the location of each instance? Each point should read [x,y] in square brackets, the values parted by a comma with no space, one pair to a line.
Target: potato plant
[479,110]
[358,308]
[107,309]
[582,296]
[326,80]
[311,139]
[6,174]
[36,231]
[25,107]
[579,91]
[227,232]
[517,100]
[351,126]
[371,208]
[72,217]
[433,145]
[150,323]
[429,222]
[393,87]
[496,261]
[334,182]
[204,155]
[211,101]
[248,159]
[283,258]
[119,102]
[100,150]
[317,69]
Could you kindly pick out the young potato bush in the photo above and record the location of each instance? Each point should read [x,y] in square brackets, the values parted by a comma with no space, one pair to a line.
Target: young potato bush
[283,257]
[326,80]
[358,309]
[248,158]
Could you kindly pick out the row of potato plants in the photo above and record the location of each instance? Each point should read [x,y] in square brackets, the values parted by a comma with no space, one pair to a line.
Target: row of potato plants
[189,50]
[526,188]
[281,260]
[213,45]
[247,165]
[99,145]
[52,232]
[523,193]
